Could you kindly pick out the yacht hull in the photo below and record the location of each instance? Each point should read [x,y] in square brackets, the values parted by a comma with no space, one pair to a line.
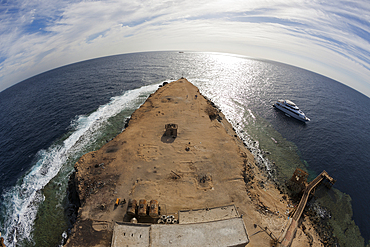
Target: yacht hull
[291,114]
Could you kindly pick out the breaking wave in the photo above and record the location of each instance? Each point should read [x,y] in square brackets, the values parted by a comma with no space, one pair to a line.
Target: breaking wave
[22,201]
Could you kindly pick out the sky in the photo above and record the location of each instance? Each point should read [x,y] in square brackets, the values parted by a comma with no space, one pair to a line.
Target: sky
[328,37]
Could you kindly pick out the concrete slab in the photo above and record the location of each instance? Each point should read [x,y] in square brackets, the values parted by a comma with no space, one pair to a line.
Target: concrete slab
[229,232]
[126,234]
[219,226]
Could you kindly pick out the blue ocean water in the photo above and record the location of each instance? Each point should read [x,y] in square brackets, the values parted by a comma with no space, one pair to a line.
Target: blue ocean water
[50,120]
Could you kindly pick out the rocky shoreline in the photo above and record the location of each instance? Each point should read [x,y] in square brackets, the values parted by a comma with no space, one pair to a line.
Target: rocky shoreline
[138,163]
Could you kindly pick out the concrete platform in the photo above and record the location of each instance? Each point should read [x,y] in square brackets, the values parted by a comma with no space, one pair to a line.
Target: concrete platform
[128,234]
[219,226]
[228,232]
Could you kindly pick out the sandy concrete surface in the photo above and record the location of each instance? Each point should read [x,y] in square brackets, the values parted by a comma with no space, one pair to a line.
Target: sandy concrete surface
[206,165]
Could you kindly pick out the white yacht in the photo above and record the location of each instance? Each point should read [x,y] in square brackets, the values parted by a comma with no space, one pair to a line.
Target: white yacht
[291,109]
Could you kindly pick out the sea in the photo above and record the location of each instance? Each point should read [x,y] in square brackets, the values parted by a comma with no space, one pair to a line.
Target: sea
[48,121]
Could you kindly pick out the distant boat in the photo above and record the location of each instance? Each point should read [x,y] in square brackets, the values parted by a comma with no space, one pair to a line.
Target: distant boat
[181,52]
[291,109]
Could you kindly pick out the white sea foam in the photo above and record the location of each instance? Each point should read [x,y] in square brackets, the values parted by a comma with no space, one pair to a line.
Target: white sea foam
[22,201]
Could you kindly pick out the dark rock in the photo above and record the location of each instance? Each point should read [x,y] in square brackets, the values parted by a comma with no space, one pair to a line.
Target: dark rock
[73,202]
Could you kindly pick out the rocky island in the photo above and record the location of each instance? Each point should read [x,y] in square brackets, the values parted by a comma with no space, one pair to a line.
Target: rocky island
[178,150]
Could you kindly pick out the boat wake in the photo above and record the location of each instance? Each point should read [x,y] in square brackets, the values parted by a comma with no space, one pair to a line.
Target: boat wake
[21,202]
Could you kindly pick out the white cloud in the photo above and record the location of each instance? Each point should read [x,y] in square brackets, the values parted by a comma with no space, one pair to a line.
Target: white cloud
[328,38]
